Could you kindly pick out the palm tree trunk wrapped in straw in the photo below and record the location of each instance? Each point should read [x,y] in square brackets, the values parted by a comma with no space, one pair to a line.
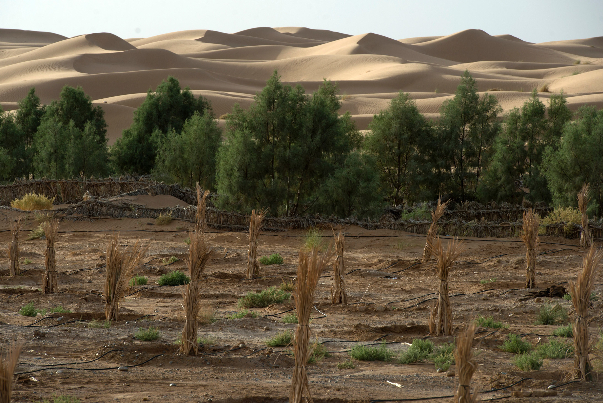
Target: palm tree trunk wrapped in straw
[51,232]
[338,294]
[580,292]
[440,320]
[120,267]
[13,251]
[311,265]
[433,229]
[583,200]
[531,221]
[465,365]
[8,362]
[255,224]
[198,255]
[200,221]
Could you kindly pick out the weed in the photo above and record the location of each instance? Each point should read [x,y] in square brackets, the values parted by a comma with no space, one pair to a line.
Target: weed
[263,298]
[564,331]
[187,241]
[490,281]
[418,351]
[163,219]
[171,260]
[41,217]
[317,352]
[514,344]
[138,280]
[206,341]
[275,258]
[402,245]
[367,353]
[28,310]
[150,334]
[489,323]
[32,201]
[174,278]
[26,261]
[528,361]
[36,233]
[206,315]
[420,213]
[313,239]
[290,318]
[244,313]
[443,356]
[552,315]
[347,364]
[544,88]
[555,349]
[567,297]
[287,286]
[59,309]
[97,324]
[280,340]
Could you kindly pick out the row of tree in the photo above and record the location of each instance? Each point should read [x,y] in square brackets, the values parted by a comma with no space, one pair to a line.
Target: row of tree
[294,154]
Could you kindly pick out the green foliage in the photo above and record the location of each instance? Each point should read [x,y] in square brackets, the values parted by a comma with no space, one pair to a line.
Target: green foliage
[489,281]
[555,349]
[263,298]
[282,339]
[528,361]
[421,212]
[36,233]
[317,352]
[150,334]
[275,258]
[28,310]
[244,313]
[347,364]
[313,239]
[290,318]
[489,323]
[96,324]
[14,156]
[174,278]
[138,280]
[514,344]
[443,356]
[552,315]
[371,353]
[418,351]
[564,331]
[29,116]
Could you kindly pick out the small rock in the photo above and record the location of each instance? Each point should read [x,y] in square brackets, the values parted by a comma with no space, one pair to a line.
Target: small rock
[450,373]
[172,384]
[123,368]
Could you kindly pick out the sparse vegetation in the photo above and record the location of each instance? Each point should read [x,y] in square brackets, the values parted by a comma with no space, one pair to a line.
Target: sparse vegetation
[61,399]
[163,219]
[418,351]
[282,339]
[422,212]
[317,352]
[528,361]
[489,281]
[568,216]
[26,261]
[313,239]
[32,201]
[173,279]
[244,313]
[552,315]
[138,280]
[275,258]
[287,286]
[443,356]
[99,324]
[263,298]
[555,349]
[514,344]
[489,323]
[149,334]
[564,331]
[170,260]
[290,318]
[36,233]
[347,364]
[361,352]
[29,310]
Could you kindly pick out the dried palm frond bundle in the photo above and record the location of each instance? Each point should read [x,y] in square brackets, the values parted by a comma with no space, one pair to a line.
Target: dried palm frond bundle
[13,251]
[338,294]
[465,365]
[120,267]
[255,223]
[311,265]
[51,232]
[583,200]
[531,221]
[580,292]
[200,221]
[198,255]
[8,362]
[433,229]
[440,320]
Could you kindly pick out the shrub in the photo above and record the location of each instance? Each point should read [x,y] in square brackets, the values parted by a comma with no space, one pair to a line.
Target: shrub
[244,313]
[36,233]
[29,310]
[138,280]
[418,351]
[163,219]
[272,259]
[96,324]
[514,344]
[313,239]
[287,286]
[528,361]
[544,88]
[443,356]
[563,215]
[420,213]
[317,352]
[489,323]
[564,331]
[367,353]
[567,297]
[32,201]
[555,349]
[290,318]
[280,340]
[551,315]
[26,261]
[150,334]
[170,260]
[174,278]
[347,364]
[263,298]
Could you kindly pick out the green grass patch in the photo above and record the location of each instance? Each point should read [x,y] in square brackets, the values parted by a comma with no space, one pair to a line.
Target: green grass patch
[514,344]
[275,258]
[174,278]
[552,315]
[150,334]
[138,280]
[371,353]
[282,339]
[488,281]
[528,361]
[564,331]
[418,351]
[29,310]
[26,261]
[263,298]
[489,323]
[99,324]
[347,364]
[290,318]
[555,349]
[243,313]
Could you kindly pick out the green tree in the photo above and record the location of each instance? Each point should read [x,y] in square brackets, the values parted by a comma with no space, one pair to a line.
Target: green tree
[13,143]
[87,155]
[29,115]
[190,157]
[6,165]
[51,142]
[74,105]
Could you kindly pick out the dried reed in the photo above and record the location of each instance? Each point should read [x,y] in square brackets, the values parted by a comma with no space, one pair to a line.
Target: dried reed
[580,292]
[433,229]
[13,251]
[465,365]
[120,267]
[200,220]
[255,223]
[51,232]
[338,294]
[8,363]
[583,200]
[311,265]
[531,221]
[198,255]
[440,320]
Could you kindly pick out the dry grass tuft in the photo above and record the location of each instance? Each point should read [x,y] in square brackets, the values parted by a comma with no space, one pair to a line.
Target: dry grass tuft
[465,365]
[32,201]
[580,292]
[311,264]
[440,320]
[200,220]
[51,231]
[13,250]
[544,88]
[8,362]
[433,229]
[198,256]
[583,200]
[255,224]
[338,294]
[163,219]
[120,268]
[531,222]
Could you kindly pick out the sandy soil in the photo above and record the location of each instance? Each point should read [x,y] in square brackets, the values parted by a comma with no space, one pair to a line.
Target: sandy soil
[390,297]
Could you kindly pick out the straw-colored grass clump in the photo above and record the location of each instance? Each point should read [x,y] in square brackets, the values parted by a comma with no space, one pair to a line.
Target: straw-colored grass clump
[8,362]
[51,231]
[32,201]
[13,250]
[465,366]
[433,229]
[531,222]
[255,224]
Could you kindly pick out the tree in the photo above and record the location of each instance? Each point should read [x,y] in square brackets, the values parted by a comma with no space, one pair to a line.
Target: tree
[50,142]
[13,143]
[190,157]
[87,155]
[29,115]
[74,105]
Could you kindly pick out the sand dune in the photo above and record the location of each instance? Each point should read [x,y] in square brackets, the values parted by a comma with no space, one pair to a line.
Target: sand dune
[369,69]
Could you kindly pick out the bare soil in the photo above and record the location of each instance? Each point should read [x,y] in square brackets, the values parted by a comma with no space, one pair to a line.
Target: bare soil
[389,293]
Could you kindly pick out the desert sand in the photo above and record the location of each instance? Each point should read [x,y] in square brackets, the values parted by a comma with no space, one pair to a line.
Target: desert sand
[230,68]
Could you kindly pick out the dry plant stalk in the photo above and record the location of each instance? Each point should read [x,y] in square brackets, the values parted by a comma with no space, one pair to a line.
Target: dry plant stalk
[465,365]
[120,267]
[583,200]
[311,265]
[200,220]
[51,232]
[440,320]
[580,292]
[531,221]
[198,255]
[8,363]
[433,229]
[255,223]
[13,251]
[338,294]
